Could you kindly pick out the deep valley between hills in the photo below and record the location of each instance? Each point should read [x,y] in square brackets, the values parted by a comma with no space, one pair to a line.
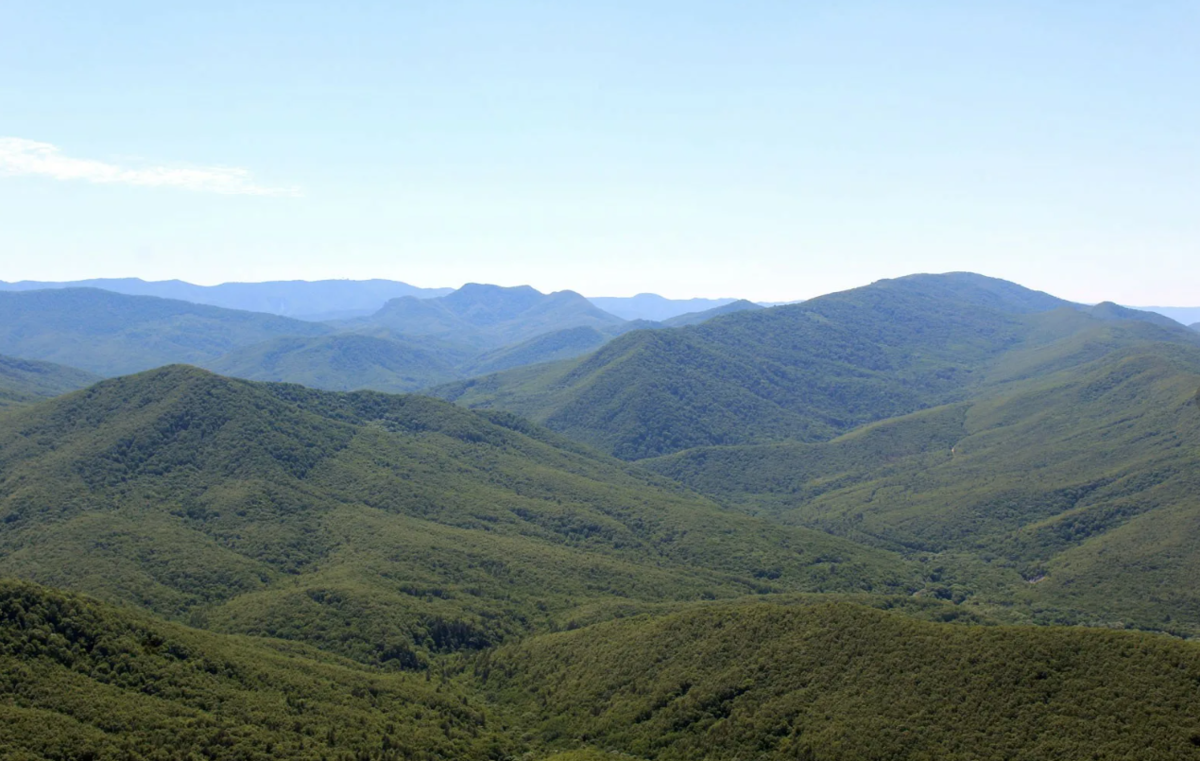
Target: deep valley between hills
[941,516]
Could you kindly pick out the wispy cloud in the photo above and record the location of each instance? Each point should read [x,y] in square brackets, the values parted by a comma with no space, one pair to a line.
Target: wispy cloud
[29,157]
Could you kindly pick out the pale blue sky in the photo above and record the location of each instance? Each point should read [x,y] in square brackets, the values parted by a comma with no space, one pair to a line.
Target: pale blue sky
[772,150]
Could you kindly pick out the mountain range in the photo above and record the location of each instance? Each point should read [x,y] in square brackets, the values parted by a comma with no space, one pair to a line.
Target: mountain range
[321,300]
[939,516]
[407,345]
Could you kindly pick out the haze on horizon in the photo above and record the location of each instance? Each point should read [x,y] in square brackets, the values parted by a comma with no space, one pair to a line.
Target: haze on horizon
[769,151]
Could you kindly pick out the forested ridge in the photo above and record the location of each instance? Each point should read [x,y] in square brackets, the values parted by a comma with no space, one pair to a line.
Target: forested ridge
[936,517]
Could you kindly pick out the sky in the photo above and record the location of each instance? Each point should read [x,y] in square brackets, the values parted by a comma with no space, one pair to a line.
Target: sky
[765,150]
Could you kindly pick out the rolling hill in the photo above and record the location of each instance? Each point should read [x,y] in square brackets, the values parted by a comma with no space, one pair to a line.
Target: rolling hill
[110,334]
[23,381]
[839,509]
[1073,462]
[385,528]
[805,372]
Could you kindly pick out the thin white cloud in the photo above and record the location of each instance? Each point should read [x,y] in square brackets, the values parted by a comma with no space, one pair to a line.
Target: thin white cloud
[29,157]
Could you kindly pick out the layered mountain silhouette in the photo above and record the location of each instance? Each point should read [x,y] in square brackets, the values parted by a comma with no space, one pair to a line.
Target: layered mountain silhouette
[826,521]
[310,300]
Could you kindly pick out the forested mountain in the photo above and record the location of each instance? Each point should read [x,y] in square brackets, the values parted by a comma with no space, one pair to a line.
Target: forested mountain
[23,381]
[489,316]
[110,334]
[839,511]
[312,300]
[273,509]
[805,372]
[1074,463]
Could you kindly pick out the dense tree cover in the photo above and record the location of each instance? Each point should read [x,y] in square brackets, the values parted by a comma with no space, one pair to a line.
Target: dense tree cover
[804,372]
[808,679]
[386,528]
[23,380]
[361,575]
[840,681]
[1074,465]
[83,681]
[110,333]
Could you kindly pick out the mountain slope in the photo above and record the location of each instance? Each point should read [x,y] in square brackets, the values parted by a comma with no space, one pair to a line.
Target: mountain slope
[321,299]
[23,380]
[838,681]
[384,527]
[80,680]
[1073,462]
[806,372]
[344,362]
[110,334]
[489,316]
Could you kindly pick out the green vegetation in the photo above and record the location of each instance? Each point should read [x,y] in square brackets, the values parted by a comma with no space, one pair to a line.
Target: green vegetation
[838,511]
[23,381]
[83,681]
[385,528]
[840,681]
[110,334]
[805,372]
[345,362]
[805,679]
[1073,465]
